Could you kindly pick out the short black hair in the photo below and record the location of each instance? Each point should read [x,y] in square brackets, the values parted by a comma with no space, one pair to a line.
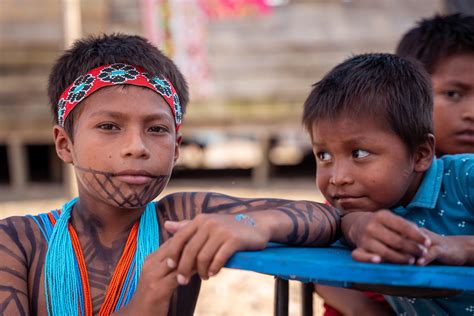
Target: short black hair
[384,86]
[94,51]
[438,37]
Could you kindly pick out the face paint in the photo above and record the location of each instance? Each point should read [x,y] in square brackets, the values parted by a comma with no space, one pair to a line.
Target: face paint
[122,189]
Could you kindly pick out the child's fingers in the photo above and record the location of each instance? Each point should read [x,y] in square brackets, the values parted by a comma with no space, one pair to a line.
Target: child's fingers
[206,256]
[187,262]
[222,255]
[430,256]
[399,243]
[156,265]
[406,229]
[360,254]
[161,253]
[174,226]
[179,241]
[388,254]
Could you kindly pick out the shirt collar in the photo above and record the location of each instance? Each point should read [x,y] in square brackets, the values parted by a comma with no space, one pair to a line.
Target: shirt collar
[429,189]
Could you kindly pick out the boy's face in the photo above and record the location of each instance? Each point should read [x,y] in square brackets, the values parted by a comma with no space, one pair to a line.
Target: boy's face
[125,146]
[453,85]
[362,165]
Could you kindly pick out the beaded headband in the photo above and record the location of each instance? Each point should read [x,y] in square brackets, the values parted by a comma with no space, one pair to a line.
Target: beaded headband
[116,74]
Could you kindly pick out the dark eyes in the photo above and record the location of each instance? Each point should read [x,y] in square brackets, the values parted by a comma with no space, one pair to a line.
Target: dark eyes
[158,129]
[114,127]
[360,153]
[108,126]
[453,94]
[323,156]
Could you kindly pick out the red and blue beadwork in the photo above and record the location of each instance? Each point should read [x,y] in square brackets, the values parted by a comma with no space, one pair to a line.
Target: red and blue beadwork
[116,74]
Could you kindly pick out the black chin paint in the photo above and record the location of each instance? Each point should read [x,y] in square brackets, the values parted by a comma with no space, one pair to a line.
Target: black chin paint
[122,194]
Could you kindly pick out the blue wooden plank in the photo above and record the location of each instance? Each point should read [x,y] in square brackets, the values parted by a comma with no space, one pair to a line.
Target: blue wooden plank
[335,266]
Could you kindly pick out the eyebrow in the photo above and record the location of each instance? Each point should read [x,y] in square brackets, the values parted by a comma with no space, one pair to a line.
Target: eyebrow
[121,116]
[359,141]
[318,144]
[456,83]
[113,114]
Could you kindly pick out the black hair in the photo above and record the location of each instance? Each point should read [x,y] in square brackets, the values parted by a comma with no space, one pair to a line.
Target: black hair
[384,86]
[438,37]
[91,52]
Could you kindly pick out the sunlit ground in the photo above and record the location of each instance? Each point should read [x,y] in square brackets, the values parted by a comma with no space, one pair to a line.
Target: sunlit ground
[231,292]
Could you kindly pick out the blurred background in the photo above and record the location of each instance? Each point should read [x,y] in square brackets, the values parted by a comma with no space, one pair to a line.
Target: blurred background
[250,65]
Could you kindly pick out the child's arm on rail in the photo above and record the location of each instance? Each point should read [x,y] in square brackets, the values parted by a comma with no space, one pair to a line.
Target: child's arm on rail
[224,225]
[384,236]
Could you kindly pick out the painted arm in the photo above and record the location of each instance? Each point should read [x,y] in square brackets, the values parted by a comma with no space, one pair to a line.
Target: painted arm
[221,225]
[13,269]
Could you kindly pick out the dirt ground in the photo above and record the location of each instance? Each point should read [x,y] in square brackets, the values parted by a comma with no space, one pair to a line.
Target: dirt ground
[231,292]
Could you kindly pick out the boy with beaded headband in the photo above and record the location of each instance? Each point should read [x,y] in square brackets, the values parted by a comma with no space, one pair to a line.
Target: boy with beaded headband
[118,105]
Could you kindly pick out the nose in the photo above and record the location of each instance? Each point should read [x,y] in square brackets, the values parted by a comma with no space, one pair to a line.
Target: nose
[468,109]
[134,145]
[468,113]
[340,174]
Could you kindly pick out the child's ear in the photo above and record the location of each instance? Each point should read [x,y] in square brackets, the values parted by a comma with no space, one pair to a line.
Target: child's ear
[179,140]
[63,144]
[424,154]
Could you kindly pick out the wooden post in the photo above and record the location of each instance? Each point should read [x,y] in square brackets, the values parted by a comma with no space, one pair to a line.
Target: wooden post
[72,23]
[261,172]
[17,162]
[72,26]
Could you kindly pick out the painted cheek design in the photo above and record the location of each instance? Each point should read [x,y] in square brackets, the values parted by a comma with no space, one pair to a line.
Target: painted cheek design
[119,193]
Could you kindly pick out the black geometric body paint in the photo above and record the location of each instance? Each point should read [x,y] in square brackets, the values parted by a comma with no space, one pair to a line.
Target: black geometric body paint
[12,299]
[12,249]
[123,194]
[313,224]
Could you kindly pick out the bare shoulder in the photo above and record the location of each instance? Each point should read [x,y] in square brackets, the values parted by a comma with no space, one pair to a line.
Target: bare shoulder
[19,236]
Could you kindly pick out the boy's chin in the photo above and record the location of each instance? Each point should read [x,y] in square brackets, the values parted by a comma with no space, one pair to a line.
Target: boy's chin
[136,199]
[132,197]
[352,208]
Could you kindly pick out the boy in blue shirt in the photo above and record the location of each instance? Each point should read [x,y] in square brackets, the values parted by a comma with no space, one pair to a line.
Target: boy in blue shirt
[118,104]
[370,121]
[445,46]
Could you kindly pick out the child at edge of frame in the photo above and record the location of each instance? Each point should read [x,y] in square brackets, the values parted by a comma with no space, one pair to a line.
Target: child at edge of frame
[371,126]
[445,46]
[118,104]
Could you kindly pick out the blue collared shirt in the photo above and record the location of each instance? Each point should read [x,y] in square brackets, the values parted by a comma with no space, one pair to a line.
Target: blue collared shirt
[444,204]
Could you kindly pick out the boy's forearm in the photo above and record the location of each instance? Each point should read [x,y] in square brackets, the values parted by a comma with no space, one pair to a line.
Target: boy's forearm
[291,222]
[301,223]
